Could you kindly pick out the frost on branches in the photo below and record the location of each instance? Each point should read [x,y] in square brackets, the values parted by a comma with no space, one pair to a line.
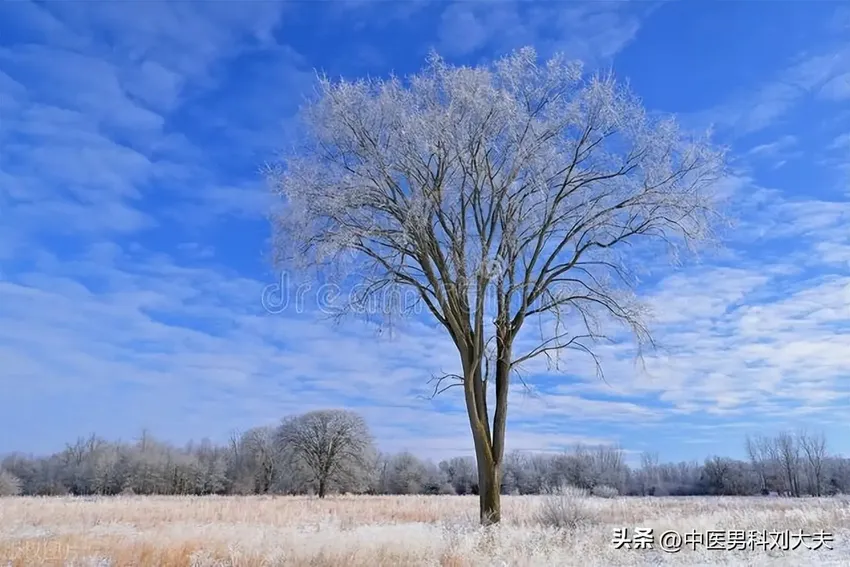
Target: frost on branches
[495,193]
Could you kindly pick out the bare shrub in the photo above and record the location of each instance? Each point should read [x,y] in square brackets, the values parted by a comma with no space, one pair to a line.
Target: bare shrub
[605,491]
[565,506]
[10,485]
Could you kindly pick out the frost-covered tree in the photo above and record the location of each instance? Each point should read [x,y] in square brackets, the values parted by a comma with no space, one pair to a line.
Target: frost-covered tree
[263,455]
[10,485]
[335,446]
[460,473]
[498,195]
[814,449]
[407,474]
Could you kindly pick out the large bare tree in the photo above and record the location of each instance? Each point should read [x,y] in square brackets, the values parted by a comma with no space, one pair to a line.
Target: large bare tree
[335,446]
[498,194]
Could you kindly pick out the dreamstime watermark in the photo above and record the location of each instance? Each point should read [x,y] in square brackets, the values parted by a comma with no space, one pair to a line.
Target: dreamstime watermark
[330,298]
[286,295]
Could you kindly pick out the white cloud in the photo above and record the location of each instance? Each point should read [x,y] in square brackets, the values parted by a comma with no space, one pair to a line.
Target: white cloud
[773,148]
[593,32]
[194,343]
[751,111]
[841,142]
[778,152]
[84,127]
[743,341]
[838,88]
[197,339]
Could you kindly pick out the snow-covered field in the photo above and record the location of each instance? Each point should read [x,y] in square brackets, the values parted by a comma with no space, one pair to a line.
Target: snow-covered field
[410,530]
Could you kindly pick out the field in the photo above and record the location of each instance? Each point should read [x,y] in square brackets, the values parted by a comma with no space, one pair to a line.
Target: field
[401,530]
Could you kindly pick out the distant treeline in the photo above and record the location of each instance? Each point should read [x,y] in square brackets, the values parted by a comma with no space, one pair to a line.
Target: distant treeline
[305,455]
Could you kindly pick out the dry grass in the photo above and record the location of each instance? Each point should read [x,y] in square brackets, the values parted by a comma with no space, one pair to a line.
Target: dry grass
[393,531]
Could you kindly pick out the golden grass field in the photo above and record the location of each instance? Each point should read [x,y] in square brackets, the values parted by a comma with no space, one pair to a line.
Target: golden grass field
[395,531]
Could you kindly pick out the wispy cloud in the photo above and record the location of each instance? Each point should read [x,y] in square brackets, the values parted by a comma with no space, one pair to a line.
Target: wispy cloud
[837,88]
[746,113]
[593,32]
[777,152]
[90,136]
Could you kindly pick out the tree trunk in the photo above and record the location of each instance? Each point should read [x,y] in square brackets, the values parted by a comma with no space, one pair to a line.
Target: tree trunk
[489,496]
[488,450]
[321,488]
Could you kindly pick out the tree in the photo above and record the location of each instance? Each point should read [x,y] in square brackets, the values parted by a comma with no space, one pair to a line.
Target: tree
[263,453]
[814,448]
[10,485]
[724,476]
[239,474]
[334,445]
[758,450]
[460,472]
[607,467]
[406,474]
[649,476]
[786,451]
[497,194]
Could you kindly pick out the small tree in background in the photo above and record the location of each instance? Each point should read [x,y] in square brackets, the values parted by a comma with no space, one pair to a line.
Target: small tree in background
[10,485]
[335,446]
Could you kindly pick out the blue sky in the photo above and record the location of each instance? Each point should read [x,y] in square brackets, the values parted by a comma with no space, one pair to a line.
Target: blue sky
[134,253]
